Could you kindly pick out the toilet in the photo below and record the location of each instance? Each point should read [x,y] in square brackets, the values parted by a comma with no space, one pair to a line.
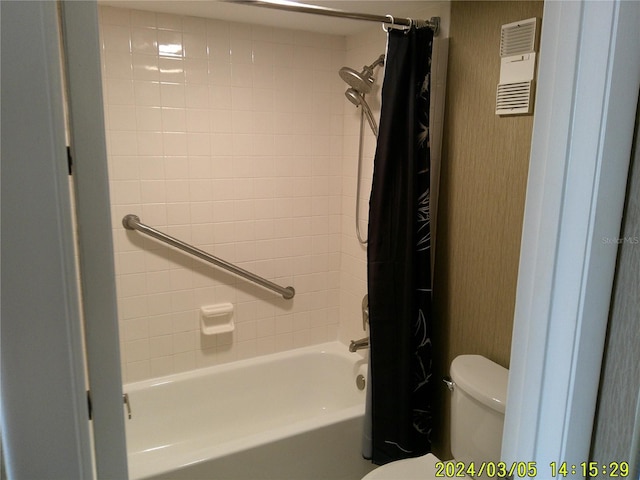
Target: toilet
[479,395]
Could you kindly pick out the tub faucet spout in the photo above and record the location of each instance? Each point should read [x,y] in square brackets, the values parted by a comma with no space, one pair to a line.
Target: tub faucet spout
[359,344]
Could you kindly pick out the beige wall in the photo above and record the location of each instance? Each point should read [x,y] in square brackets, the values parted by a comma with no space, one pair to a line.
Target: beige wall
[482,192]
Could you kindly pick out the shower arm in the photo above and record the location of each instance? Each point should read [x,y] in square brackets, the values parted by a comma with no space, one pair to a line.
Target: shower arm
[379,61]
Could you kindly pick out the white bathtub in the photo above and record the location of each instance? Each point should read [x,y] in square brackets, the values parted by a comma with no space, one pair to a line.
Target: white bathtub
[294,415]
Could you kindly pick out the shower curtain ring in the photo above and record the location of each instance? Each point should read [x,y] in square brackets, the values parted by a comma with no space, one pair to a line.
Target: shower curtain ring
[393,22]
[408,29]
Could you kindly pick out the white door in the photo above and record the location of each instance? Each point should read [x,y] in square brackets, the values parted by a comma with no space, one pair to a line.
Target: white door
[587,92]
[88,145]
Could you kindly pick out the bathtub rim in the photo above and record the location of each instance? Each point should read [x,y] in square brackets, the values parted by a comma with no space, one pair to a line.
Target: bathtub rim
[334,348]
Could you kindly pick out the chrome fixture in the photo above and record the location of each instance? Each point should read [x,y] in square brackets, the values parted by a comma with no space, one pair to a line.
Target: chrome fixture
[433,23]
[357,98]
[361,382]
[360,84]
[356,345]
[132,222]
[361,81]
[358,81]
[365,311]
[449,383]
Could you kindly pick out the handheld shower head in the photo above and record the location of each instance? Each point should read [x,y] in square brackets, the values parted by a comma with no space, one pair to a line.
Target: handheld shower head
[354,96]
[358,100]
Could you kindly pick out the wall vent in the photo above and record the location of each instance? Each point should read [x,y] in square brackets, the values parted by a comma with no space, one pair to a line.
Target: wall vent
[518,45]
[514,98]
[518,38]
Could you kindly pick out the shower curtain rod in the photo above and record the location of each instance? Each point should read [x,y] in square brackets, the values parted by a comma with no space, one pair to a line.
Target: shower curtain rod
[433,22]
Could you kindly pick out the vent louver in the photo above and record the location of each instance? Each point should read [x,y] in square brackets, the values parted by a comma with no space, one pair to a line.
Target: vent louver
[518,44]
[514,98]
[518,38]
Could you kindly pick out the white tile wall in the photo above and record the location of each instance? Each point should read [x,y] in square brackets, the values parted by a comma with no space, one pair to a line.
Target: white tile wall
[227,136]
[236,138]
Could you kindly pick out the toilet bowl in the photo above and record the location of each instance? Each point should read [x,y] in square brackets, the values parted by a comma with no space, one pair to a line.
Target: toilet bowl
[420,468]
[479,392]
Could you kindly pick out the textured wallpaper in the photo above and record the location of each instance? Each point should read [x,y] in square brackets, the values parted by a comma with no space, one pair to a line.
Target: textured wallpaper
[483,180]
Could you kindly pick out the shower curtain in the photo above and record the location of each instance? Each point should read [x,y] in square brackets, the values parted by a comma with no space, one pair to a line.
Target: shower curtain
[399,257]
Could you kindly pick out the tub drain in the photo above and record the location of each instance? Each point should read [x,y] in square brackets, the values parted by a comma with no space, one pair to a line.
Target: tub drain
[360,382]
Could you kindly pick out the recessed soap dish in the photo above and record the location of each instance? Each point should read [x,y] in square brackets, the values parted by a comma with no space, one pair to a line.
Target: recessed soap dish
[217,319]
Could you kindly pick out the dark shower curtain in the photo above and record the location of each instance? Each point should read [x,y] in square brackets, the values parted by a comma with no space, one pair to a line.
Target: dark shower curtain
[399,256]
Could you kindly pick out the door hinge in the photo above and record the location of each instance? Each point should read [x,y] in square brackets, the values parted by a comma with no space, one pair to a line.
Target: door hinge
[69,160]
[125,401]
[89,406]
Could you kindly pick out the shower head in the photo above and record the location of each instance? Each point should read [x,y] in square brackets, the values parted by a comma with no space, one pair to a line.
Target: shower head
[361,81]
[358,100]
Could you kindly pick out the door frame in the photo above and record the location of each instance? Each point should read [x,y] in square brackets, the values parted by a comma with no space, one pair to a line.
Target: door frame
[43,401]
[81,44]
[588,86]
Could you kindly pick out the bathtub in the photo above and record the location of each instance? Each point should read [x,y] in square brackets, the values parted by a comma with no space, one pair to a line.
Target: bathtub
[295,415]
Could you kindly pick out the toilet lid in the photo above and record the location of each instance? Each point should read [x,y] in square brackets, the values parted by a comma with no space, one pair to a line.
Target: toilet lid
[419,468]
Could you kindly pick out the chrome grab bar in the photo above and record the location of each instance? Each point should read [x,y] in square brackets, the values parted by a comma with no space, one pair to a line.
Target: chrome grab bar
[132,222]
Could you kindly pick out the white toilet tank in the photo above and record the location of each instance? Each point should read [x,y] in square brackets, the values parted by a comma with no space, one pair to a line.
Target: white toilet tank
[477,409]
